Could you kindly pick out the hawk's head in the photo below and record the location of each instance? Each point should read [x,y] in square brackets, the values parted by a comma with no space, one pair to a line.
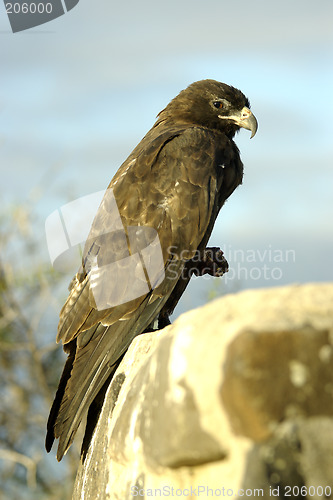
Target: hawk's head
[211,104]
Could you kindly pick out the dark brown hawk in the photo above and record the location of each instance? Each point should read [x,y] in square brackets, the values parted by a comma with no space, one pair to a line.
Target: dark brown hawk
[165,198]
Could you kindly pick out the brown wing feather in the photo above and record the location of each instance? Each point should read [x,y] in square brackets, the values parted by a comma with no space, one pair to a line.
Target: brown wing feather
[171,183]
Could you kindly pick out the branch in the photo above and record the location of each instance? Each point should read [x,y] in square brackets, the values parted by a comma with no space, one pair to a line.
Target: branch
[27,462]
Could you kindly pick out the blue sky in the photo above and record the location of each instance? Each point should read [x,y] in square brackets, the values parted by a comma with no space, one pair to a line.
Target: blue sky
[77,94]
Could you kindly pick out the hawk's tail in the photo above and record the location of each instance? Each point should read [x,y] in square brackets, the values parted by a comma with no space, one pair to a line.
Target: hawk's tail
[87,373]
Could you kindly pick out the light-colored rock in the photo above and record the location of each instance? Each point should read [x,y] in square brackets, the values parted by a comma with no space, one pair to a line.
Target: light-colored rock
[235,395]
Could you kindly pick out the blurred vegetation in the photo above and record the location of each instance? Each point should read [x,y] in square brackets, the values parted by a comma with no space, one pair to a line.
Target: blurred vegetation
[30,362]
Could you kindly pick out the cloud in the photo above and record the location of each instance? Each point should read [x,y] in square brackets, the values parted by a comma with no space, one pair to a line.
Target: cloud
[77,95]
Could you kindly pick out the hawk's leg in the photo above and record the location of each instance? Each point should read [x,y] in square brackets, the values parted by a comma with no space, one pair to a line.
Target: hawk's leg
[210,261]
[163,320]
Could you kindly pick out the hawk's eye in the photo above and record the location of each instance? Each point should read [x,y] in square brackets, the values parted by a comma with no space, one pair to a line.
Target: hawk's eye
[218,104]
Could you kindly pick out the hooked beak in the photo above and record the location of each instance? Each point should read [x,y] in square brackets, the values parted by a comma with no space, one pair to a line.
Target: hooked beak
[245,119]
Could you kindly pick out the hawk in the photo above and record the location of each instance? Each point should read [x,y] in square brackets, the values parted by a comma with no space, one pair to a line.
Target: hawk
[163,205]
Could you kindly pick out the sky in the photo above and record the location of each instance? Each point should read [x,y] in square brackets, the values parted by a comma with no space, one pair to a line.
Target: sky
[78,93]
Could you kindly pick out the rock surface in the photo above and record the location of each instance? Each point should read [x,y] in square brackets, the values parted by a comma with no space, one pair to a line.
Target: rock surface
[233,399]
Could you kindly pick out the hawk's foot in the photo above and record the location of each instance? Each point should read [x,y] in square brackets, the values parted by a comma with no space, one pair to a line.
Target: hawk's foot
[212,262]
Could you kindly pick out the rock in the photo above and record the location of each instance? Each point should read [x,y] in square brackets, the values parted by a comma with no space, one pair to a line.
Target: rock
[234,396]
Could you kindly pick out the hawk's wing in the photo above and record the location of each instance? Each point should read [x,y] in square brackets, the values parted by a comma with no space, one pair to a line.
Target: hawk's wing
[171,183]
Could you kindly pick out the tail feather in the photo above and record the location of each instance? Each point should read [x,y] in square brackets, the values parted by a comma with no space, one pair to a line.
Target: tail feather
[87,372]
[50,436]
[89,368]
[96,407]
